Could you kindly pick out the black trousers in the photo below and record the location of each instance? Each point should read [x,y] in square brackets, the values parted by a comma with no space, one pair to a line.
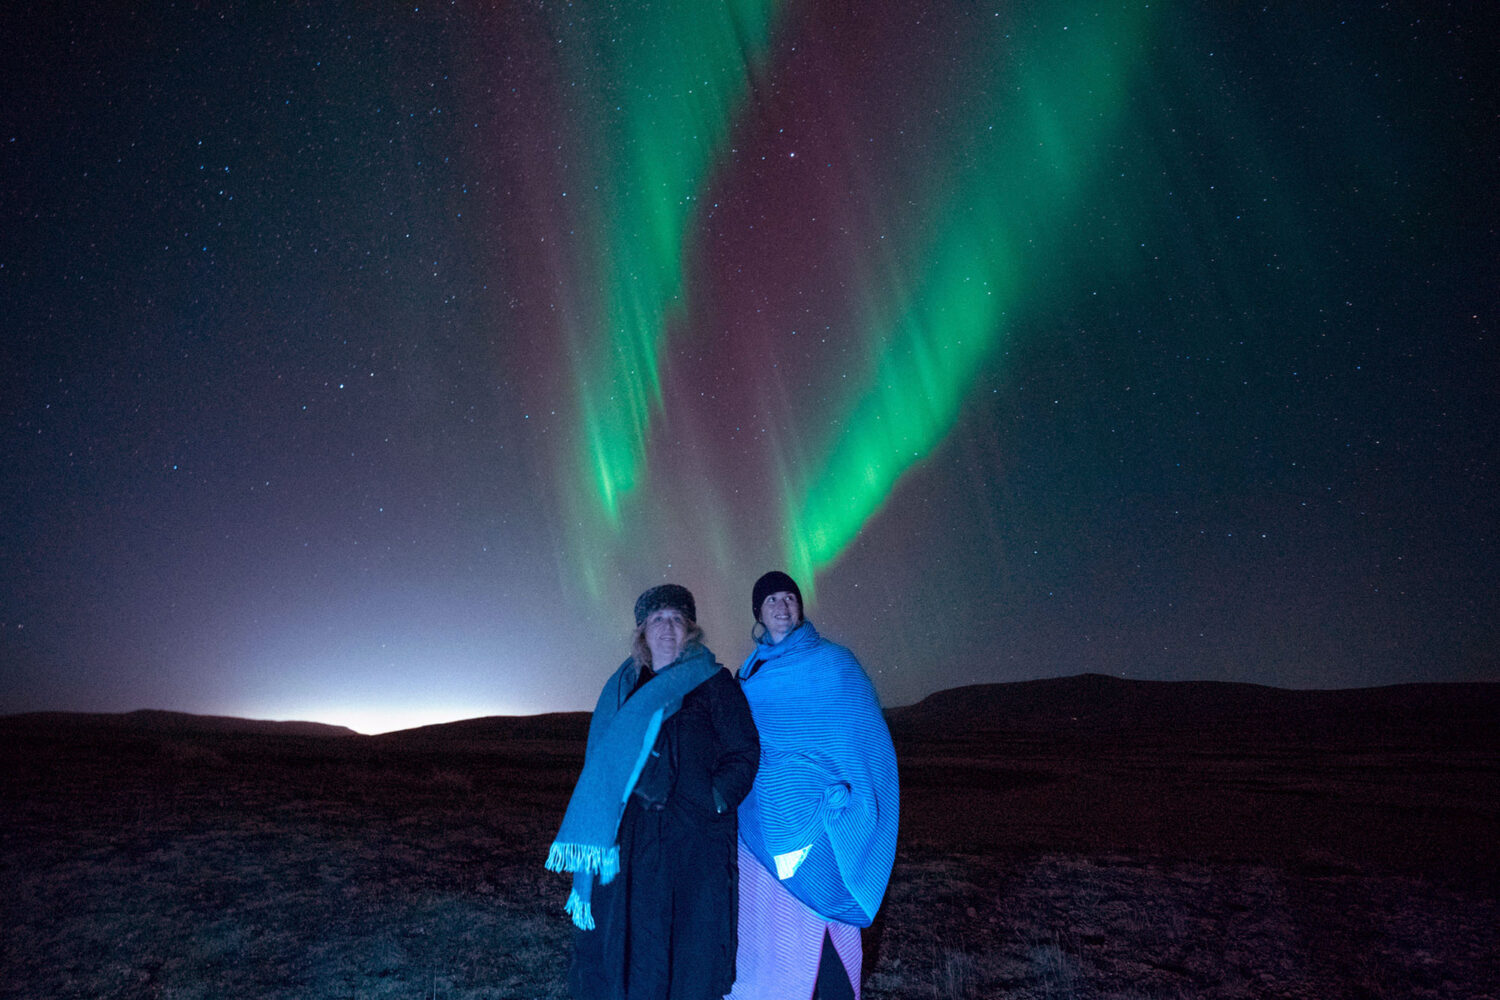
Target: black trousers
[833,978]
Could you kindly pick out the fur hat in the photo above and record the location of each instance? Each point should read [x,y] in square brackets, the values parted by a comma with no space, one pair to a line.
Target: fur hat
[667,595]
[773,582]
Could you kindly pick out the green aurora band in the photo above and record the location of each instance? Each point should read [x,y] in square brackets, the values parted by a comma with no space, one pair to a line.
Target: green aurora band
[668,81]
[1057,94]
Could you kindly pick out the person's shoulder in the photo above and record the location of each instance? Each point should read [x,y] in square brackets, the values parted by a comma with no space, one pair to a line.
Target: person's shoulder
[625,675]
[834,645]
[827,647]
[719,687]
[837,660]
[722,679]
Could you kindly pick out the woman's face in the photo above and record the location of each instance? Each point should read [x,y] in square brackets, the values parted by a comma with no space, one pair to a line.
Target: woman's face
[780,613]
[666,631]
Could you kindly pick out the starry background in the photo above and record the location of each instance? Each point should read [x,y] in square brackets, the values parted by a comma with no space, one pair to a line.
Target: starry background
[361,363]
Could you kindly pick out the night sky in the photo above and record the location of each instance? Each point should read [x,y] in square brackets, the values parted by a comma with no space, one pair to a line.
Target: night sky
[361,363]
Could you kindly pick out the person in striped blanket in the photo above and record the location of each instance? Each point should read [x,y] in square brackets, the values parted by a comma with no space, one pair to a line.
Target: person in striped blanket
[817,832]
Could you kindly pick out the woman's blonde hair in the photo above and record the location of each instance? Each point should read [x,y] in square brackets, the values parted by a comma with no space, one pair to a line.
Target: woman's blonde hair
[641,651]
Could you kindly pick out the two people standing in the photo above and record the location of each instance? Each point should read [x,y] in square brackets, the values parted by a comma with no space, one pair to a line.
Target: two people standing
[669,902]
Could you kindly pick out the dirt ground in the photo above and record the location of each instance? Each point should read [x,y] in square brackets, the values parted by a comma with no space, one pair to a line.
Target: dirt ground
[213,865]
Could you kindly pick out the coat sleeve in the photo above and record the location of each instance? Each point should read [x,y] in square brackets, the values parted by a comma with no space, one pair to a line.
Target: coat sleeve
[737,742]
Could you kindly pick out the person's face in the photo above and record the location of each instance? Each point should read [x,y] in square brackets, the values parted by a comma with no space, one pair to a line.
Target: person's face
[666,631]
[780,613]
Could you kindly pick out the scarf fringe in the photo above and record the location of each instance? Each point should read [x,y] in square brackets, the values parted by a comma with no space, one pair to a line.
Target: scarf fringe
[604,862]
[581,912]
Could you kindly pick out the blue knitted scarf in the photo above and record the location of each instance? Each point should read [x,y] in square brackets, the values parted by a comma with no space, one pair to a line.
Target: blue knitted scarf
[621,734]
[823,812]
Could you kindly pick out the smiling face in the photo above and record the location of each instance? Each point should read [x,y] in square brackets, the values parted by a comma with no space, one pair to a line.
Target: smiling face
[666,632]
[780,613]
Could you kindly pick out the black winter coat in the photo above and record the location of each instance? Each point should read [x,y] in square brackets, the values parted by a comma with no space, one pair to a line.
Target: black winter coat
[666,925]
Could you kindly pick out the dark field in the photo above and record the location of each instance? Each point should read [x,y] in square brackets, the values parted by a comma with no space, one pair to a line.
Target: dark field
[1047,851]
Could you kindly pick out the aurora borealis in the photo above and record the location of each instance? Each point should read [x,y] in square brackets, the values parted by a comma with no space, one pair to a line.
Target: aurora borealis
[363,366]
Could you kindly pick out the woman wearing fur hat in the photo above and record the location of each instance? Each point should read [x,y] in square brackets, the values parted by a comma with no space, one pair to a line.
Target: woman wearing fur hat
[818,829]
[649,832]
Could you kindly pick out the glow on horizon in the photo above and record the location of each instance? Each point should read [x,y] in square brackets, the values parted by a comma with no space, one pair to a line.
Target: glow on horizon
[376,719]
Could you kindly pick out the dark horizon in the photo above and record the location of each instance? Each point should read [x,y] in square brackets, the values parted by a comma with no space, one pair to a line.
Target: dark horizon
[968,701]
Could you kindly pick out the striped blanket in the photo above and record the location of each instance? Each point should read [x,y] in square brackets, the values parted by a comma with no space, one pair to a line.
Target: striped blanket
[823,812]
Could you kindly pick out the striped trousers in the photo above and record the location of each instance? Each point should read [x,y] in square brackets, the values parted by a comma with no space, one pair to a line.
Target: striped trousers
[781,940]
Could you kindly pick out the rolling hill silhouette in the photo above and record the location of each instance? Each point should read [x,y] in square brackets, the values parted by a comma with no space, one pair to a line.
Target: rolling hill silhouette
[158,722]
[1096,703]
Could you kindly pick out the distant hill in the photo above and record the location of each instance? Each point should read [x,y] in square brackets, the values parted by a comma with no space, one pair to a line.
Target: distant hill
[158,722]
[564,726]
[1097,703]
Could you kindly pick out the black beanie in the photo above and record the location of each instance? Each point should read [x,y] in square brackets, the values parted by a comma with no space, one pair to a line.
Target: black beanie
[668,595]
[773,582]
